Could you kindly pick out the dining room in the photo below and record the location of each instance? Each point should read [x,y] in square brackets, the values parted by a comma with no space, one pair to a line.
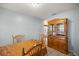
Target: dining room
[39,29]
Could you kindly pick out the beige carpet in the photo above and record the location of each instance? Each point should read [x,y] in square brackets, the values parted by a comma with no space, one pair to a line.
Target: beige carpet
[53,52]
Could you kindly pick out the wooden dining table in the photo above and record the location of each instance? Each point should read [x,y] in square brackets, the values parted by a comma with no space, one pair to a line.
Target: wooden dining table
[17,48]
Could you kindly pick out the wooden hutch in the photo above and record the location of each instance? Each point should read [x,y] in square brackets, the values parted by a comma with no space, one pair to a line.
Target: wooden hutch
[57,34]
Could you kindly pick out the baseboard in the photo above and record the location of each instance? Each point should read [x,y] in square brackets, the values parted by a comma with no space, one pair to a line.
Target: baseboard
[73,53]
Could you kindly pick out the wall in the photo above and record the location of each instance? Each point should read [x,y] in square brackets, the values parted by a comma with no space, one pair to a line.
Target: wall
[16,23]
[73,29]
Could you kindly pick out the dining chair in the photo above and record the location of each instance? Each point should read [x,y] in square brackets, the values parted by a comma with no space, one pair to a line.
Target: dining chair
[42,38]
[18,38]
[34,51]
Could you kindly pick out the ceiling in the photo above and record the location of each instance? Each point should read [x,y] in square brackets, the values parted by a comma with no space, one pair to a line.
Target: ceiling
[42,10]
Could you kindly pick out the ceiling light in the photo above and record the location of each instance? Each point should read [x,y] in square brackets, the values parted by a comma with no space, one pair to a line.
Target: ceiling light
[35,5]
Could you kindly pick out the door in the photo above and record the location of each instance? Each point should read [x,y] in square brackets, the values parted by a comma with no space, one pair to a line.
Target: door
[57,29]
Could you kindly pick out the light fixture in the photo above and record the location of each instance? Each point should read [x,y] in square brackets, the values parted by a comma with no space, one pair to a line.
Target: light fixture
[35,5]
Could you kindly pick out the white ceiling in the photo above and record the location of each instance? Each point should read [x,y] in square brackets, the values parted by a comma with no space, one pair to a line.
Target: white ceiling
[43,10]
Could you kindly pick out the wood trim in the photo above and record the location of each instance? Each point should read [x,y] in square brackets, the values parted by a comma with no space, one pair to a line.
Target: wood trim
[26,54]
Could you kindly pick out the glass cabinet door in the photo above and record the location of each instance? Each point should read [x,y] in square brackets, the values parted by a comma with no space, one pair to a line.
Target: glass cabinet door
[60,28]
[51,27]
